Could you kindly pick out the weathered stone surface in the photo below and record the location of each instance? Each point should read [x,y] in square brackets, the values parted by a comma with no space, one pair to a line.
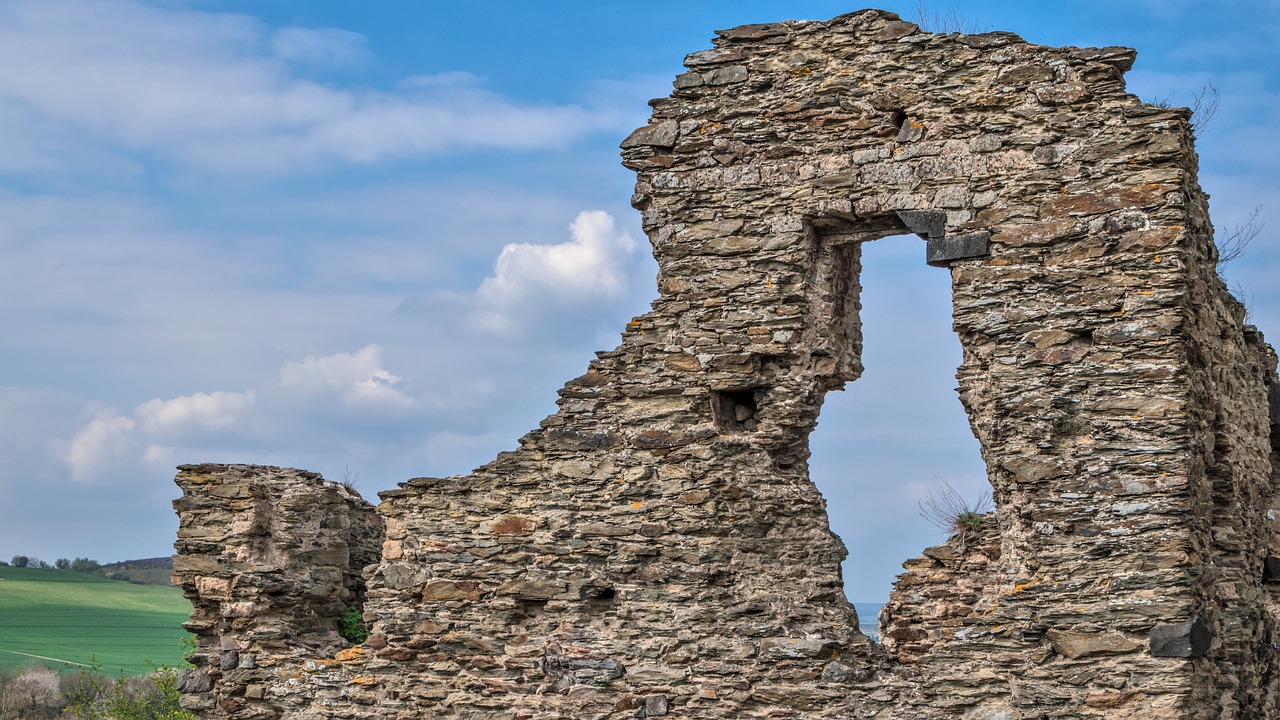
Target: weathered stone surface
[1090,644]
[194,681]
[656,546]
[656,706]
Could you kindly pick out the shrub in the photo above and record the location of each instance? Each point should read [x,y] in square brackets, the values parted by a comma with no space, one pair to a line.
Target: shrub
[40,694]
[33,694]
[152,697]
[351,626]
[950,21]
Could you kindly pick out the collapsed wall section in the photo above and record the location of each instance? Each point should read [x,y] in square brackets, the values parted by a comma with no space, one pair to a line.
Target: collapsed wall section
[271,559]
[656,547]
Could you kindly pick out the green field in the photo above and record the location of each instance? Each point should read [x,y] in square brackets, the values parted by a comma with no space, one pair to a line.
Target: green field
[66,620]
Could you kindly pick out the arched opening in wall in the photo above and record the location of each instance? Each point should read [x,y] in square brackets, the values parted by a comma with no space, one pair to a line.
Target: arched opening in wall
[900,429]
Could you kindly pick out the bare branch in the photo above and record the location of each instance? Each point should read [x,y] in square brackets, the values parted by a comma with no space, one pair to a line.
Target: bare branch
[1204,107]
[1232,245]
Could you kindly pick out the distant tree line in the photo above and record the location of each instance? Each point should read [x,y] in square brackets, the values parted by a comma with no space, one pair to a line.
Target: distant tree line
[81,565]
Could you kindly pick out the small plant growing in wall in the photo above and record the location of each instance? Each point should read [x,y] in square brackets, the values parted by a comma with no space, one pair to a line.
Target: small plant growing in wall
[350,480]
[946,509]
[351,626]
[948,21]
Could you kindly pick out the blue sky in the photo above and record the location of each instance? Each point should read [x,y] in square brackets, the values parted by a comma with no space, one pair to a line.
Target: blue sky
[376,237]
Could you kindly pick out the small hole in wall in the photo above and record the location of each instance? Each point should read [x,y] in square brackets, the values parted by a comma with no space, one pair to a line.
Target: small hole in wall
[530,607]
[735,410]
[898,118]
[598,597]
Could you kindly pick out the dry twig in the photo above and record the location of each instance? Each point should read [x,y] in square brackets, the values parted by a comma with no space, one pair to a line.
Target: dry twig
[1231,245]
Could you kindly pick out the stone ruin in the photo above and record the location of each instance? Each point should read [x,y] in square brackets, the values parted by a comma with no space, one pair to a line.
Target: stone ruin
[656,548]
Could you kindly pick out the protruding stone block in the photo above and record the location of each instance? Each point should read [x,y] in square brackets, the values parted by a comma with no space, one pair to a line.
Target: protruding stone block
[194,681]
[941,252]
[661,135]
[229,660]
[1090,644]
[928,224]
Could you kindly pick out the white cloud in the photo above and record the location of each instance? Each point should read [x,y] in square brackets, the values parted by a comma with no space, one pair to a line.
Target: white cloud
[114,304]
[325,47]
[355,379]
[219,92]
[593,266]
[100,444]
[351,402]
[160,432]
[201,412]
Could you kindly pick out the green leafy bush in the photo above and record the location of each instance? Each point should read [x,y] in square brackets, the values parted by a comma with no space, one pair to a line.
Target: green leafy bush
[38,693]
[93,696]
[351,626]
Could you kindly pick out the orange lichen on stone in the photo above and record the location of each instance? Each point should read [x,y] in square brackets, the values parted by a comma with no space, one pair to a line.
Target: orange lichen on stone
[350,655]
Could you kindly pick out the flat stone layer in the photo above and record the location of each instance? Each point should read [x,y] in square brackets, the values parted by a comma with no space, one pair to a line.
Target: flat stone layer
[656,547]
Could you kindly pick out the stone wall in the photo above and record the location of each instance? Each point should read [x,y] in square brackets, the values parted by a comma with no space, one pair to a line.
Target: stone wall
[656,547]
[271,560]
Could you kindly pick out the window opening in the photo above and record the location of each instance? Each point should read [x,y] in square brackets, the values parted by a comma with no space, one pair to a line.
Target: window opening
[900,429]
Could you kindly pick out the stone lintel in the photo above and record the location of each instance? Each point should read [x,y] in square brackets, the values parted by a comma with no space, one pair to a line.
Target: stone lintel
[941,251]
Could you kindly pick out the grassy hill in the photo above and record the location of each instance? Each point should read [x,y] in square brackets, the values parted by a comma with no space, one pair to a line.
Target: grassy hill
[66,619]
[151,571]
